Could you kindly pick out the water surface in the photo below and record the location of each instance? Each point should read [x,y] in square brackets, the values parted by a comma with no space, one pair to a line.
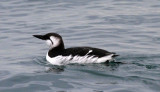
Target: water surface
[130,28]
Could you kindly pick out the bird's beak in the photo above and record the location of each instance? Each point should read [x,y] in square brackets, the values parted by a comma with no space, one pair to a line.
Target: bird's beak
[40,37]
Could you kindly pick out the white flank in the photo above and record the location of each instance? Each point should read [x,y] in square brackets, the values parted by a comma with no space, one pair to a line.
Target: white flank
[63,60]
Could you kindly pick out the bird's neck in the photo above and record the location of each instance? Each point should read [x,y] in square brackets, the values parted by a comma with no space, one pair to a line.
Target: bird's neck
[56,50]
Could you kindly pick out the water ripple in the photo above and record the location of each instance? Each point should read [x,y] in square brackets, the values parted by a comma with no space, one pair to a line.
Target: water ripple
[128,27]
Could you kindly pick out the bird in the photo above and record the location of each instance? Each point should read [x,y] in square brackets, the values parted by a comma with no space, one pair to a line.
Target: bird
[59,55]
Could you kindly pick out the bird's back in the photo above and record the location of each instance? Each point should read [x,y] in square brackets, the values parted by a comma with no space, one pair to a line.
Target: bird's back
[82,51]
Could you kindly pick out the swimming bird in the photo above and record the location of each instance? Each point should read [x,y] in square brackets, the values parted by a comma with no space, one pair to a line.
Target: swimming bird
[58,55]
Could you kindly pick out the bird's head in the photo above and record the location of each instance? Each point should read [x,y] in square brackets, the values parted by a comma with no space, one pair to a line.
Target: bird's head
[52,39]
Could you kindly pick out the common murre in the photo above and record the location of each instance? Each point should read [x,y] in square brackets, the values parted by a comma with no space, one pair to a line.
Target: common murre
[58,55]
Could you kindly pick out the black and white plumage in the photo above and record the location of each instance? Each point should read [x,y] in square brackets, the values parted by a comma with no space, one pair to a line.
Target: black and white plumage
[58,55]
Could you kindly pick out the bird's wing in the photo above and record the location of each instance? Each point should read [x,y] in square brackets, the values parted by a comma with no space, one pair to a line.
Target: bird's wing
[82,51]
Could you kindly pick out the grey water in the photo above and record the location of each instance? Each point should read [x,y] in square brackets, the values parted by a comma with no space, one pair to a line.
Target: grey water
[131,28]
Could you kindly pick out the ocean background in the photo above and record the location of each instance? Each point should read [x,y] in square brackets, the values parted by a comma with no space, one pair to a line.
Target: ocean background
[131,28]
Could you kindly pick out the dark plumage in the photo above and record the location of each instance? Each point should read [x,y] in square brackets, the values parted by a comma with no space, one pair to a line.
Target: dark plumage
[81,51]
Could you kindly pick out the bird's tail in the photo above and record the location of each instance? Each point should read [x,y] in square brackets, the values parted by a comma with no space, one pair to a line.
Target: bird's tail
[115,55]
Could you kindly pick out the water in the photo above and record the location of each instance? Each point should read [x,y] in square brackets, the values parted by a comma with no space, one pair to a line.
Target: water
[130,28]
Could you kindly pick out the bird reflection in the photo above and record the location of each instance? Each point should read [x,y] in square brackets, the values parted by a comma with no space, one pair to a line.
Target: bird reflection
[54,69]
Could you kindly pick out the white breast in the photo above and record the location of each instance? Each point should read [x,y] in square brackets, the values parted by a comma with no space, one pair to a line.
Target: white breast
[63,60]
